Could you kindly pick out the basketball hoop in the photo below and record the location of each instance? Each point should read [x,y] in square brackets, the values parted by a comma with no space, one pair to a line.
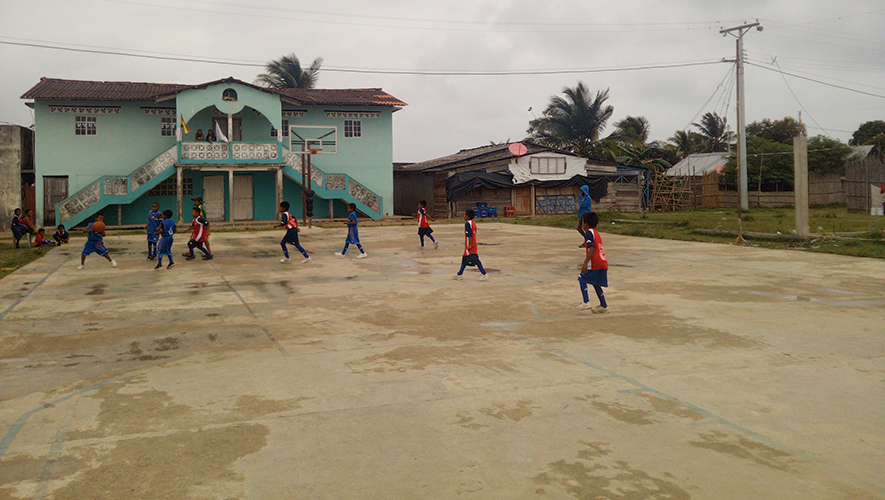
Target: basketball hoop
[314,151]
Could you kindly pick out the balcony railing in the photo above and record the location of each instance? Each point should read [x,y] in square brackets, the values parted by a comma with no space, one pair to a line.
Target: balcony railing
[230,152]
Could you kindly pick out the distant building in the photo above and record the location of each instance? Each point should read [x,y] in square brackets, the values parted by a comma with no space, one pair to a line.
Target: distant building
[16,171]
[116,147]
[697,164]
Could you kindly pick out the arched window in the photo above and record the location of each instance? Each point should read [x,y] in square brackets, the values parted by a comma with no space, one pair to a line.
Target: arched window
[229,95]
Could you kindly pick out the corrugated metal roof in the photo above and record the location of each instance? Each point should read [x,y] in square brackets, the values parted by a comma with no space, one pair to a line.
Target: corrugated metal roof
[698,164]
[79,90]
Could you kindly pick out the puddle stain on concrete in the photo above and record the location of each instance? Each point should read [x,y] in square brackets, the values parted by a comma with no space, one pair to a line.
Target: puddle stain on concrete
[97,289]
[589,477]
[500,411]
[466,421]
[741,447]
[419,357]
[620,411]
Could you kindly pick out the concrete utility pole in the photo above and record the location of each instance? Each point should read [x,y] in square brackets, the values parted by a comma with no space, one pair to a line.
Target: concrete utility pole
[800,183]
[738,32]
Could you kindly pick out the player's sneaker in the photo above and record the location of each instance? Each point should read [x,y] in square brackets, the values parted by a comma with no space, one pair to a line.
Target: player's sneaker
[484,277]
[81,267]
[158,266]
[185,254]
[362,255]
[171,265]
[113,263]
[189,257]
[284,260]
[600,310]
[583,306]
[306,260]
[208,257]
[456,276]
[339,255]
[436,244]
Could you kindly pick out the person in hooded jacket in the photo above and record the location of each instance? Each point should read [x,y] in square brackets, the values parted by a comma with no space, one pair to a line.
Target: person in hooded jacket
[585,205]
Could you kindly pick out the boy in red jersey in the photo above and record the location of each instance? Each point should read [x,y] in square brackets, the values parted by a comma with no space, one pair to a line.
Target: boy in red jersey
[594,271]
[199,236]
[291,238]
[470,257]
[424,224]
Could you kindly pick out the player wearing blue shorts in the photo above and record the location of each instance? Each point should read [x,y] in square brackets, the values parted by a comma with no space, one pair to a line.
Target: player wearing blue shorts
[353,235]
[594,270]
[153,223]
[166,230]
[95,243]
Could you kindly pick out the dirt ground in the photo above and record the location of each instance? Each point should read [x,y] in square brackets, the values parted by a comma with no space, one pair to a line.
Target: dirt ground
[720,372]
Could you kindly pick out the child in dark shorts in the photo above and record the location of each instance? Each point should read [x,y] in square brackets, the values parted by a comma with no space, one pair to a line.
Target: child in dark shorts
[470,257]
[95,243]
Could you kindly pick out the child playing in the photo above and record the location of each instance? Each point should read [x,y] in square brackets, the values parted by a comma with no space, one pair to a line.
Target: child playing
[291,237]
[61,235]
[199,236]
[166,230]
[424,225]
[198,203]
[19,228]
[470,257]
[95,242]
[41,239]
[353,235]
[153,223]
[594,271]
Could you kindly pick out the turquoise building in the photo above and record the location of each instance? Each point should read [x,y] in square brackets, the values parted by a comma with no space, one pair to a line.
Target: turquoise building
[116,147]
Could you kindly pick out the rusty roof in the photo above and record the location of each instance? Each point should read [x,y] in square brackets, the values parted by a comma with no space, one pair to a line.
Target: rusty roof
[80,90]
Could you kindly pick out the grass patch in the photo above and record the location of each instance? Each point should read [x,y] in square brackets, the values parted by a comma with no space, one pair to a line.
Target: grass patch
[867,238]
[12,258]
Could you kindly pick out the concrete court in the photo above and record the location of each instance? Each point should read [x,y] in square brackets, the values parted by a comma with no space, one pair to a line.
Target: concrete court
[721,372]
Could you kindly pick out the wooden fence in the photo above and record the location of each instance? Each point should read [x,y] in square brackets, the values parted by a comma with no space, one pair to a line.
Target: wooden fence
[859,174]
[826,189]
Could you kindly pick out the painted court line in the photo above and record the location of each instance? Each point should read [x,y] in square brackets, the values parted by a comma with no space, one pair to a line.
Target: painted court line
[23,297]
[641,387]
[251,312]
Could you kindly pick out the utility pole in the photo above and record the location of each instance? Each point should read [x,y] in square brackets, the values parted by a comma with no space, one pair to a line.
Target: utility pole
[738,32]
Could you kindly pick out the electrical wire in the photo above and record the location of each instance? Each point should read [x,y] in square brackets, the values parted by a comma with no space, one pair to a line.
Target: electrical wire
[816,81]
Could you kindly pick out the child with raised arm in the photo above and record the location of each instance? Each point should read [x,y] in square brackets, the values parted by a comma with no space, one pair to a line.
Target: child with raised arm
[594,270]
[199,236]
[291,237]
[470,257]
[150,228]
[353,235]
[424,224]
[95,242]
[166,230]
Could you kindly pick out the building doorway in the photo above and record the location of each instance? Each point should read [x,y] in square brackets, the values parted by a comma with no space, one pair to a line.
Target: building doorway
[213,197]
[55,190]
[221,123]
[243,195]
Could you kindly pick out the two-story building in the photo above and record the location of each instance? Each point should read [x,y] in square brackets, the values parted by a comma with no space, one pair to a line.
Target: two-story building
[117,147]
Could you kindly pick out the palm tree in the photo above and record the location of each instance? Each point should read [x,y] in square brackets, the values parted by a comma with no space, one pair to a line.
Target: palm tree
[572,123]
[632,129]
[686,142]
[286,72]
[641,157]
[715,132]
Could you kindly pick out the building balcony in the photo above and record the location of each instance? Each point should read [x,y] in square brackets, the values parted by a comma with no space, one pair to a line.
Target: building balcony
[236,152]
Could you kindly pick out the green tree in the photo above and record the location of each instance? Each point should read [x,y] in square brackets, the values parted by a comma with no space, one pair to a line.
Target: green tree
[286,72]
[826,155]
[781,131]
[640,156]
[866,132]
[714,130]
[770,160]
[632,129]
[574,122]
[686,142]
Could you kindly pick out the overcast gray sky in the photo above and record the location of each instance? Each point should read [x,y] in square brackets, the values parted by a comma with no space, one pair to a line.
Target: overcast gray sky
[839,43]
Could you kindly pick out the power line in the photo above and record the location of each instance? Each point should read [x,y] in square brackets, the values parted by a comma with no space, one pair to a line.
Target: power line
[172,57]
[797,98]
[817,81]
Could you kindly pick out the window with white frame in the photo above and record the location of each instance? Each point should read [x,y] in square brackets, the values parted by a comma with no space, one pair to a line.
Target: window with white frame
[85,125]
[353,128]
[285,129]
[547,165]
[167,126]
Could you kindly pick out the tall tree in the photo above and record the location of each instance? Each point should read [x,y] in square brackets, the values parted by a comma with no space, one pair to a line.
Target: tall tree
[781,131]
[632,129]
[686,142]
[715,132]
[286,72]
[573,122]
[640,156]
[866,132]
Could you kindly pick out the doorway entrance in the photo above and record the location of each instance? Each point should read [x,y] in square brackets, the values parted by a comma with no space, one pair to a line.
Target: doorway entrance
[243,195]
[55,190]
[213,197]
[221,123]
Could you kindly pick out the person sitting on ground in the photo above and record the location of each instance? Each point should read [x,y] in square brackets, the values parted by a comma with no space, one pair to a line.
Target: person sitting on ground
[18,228]
[41,239]
[61,235]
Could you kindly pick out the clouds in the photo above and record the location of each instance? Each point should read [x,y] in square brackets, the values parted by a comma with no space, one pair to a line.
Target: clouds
[829,41]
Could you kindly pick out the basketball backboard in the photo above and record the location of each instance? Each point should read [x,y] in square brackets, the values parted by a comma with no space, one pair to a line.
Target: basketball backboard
[313,139]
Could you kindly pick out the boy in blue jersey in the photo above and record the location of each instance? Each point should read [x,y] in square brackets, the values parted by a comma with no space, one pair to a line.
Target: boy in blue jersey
[353,235]
[166,230]
[61,235]
[95,242]
[153,223]
[291,238]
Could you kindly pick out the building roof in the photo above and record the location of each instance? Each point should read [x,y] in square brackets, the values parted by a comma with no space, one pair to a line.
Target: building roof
[699,163]
[480,157]
[80,90]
